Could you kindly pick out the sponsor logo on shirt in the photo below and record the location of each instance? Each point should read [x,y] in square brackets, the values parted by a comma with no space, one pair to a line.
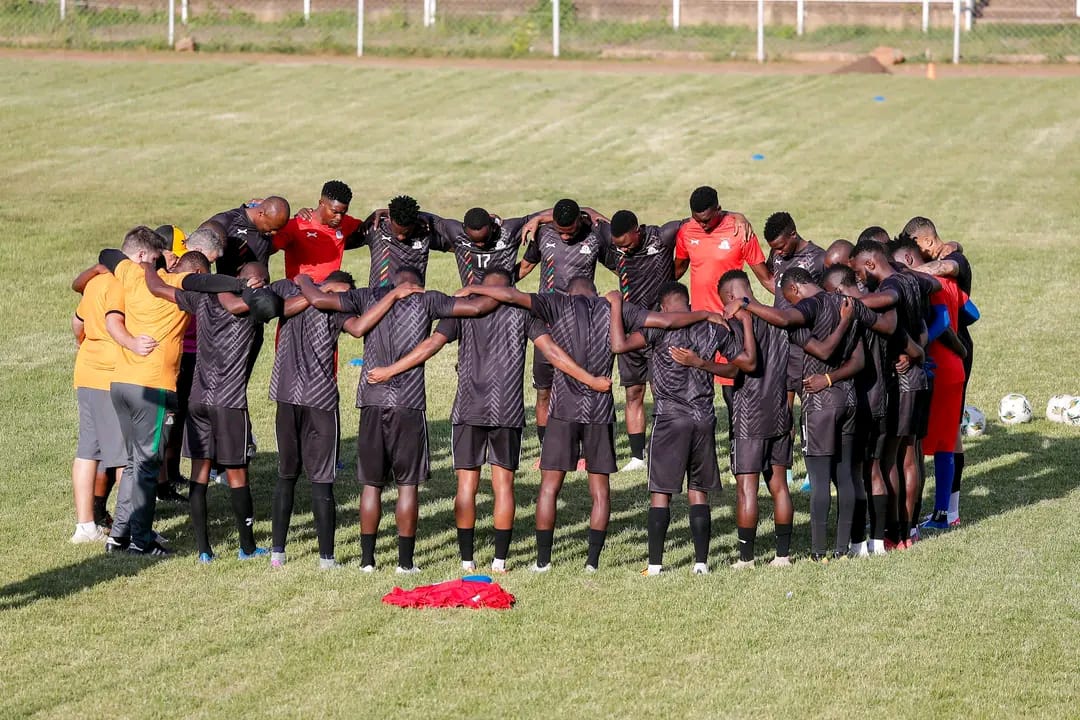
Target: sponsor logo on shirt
[312,234]
[695,241]
[241,231]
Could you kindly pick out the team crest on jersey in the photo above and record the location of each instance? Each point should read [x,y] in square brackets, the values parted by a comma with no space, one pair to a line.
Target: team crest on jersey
[586,249]
[418,245]
[501,245]
[652,250]
[339,235]
[725,245]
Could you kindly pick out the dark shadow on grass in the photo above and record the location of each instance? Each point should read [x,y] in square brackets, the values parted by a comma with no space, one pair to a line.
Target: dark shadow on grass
[75,577]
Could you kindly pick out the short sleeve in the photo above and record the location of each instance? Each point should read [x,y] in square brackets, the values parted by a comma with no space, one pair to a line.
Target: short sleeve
[800,336]
[450,328]
[602,230]
[651,335]
[188,301]
[443,232]
[532,250]
[680,243]
[808,308]
[864,315]
[284,288]
[438,305]
[634,317]
[545,307]
[537,329]
[356,301]
[752,254]
[668,233]
[512,226]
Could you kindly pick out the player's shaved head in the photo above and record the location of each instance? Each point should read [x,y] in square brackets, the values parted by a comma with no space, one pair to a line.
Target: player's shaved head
[906,251]
[704,198]
[874,233]
[408,274]
[840,278]
[271,214]
[673,297]
[566,213]
[580,286]
[476,218]
[924,234]
[192,262]
[213,226]
[143,240]
[208,242]
[254,271]
[340,276]
[919,225]
[839,253]
[497,277]
[796,276]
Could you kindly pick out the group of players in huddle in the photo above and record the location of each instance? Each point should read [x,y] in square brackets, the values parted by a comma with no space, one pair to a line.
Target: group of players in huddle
[872,337]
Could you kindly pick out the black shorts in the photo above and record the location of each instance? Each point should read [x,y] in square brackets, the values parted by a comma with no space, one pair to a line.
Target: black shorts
[750,456]
[475,445]
[307,439]
[543,371]
[633,368]
[912,414]
[683,447]
[795,360]
[870,434]
[823,429]
[217,433]
[565,442]
[392,444]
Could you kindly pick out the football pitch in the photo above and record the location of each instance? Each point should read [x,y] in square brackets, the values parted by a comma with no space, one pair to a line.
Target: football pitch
[982,621]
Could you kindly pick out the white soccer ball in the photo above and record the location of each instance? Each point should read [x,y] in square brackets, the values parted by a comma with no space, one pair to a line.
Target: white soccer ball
[1071,415]
[1014,409]
[1055,409]
[973,423]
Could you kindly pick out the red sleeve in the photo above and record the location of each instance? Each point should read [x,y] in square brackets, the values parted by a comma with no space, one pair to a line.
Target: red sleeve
[349,225]
[680,244]
[752,254]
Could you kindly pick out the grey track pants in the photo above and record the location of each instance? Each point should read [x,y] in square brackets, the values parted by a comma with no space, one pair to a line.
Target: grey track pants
[146,418]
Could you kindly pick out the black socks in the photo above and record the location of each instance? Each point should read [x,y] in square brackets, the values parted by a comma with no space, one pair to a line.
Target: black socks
[324,509]
[596,544]
[465,540]
[244,510]
[502,543]
[405,547]
[747,536]
[197,502]
[637,445]
[783,539]
[281,509]
[367,550]
[659,519]
[701,531]
[544,540]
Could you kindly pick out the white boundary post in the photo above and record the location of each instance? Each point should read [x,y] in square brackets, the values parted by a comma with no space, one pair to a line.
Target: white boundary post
[63,8]
[969,12]
[800,17]
[761,30]
[676,8]
[956,32]
[172,24]
[1078,8]
[307,10]
[184,11]
[359,28]
[926,15]
[555,28]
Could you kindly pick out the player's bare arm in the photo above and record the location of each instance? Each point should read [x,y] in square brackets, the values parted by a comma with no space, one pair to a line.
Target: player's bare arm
[881,300]
[505,295]
[746,360]
[765,277]
[779,317]
[849,369]
[689,358]
[417,356]
[563,362]
[620,341]
[318,297]
[82,279]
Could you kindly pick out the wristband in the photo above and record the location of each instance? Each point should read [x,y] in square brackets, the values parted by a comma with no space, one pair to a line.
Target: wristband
[745,301]
[827,377]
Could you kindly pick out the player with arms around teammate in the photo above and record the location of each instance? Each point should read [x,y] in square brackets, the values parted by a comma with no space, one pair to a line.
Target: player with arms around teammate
[684,424]
[642,258]
[217,420]
[581,418]
[303,383]
[488,412]
[761,420]
[249,232]
[392,443]
[314,241]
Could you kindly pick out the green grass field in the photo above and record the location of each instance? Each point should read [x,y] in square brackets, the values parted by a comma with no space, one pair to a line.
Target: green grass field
[982,622]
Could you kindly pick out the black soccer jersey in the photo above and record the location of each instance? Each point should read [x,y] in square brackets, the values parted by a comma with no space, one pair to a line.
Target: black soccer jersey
[500,252]
[641,272]
[561,261]
[406,325]
[243,241]
[822,313]
[911,309]
[811,258]
[304,371]
[678,389]
[581,325]
[490,365]
[224,342]
[873,381]
[759,404]
[388,255]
